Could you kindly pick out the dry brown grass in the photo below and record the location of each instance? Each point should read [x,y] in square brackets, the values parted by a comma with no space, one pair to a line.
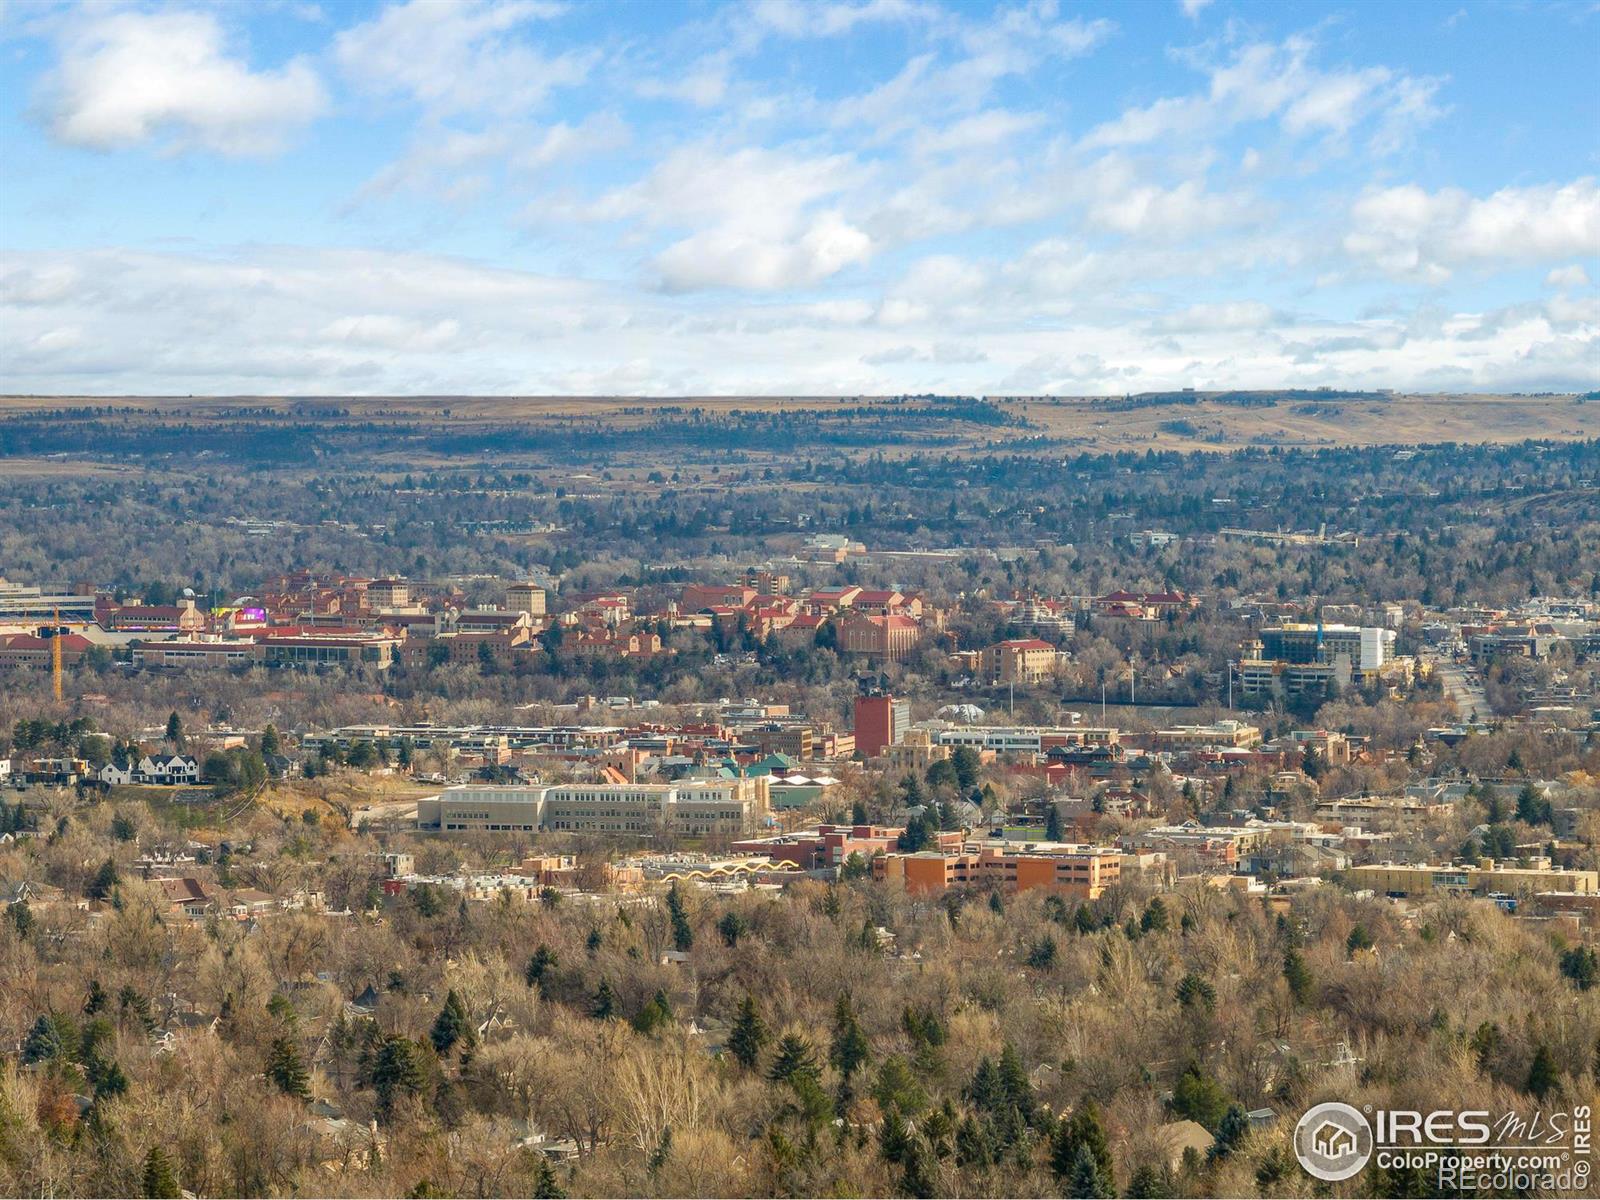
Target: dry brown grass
[1085,422]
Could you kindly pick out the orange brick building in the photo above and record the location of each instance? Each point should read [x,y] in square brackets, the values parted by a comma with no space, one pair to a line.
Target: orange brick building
[1082,872]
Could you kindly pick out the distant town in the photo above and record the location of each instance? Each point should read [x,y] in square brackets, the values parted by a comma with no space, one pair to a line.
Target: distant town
[599,859]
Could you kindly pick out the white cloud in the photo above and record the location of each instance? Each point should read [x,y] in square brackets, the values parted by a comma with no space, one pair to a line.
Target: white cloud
[1230,315]
[1573,276]
[738,256]
[1013,43]
[760,218]
[820,18]
[1408,230]
[385,332]
[1126,206]
[467,56]
[983,130]
[1264,81]
[131,77]
[284,319]
[1193,8]
[704,85]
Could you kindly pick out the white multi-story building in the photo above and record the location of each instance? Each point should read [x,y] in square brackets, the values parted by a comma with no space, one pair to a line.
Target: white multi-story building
[1298,657]
[688,808]
[20,602]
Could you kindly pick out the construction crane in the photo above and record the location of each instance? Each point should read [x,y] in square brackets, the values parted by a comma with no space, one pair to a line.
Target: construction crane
[53,632]
[55,654]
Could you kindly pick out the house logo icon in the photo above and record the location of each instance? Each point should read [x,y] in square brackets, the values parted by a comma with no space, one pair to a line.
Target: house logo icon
[1333,1141]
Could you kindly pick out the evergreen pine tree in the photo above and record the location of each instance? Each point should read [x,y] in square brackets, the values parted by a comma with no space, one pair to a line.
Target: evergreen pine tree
[396,1071]
[749,1035]
[605,1002]
[1015,1085]
[451,1026]
[1085,1179]
[682,934]
[920,1177]
[795,1057]
[545,1186]
[104,881]
[1155,916]
[1080,1132]
[287,1069]
[1542,1074]
[1235,1125]
[1298,976]
[892,1136]
[849,1050]
[1147,1183]
[732,927]
[656,1013]
[539,967]
[21,917]
[44,1041]
[159,1180]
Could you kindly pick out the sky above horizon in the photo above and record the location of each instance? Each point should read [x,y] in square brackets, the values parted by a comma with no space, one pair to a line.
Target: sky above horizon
[792,197]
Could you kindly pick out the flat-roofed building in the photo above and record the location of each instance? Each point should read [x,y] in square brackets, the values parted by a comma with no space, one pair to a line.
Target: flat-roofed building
[1081,871]
[1022,739]
[689,808]
[1487,875]
[499,809]
[1019,660]
[388,593]
[23,602]
[526,597]
[183,653]
[1199,737]
[1300,656]
[327,646]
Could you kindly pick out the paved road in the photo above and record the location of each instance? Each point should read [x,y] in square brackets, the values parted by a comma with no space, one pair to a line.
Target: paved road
[1464,685]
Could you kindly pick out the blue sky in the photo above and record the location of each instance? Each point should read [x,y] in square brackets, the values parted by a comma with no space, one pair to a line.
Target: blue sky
[834,196]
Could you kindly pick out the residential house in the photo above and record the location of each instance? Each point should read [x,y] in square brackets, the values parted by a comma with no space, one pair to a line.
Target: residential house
[167,770]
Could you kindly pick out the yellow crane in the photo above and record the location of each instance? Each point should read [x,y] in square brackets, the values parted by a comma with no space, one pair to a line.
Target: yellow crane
[55,653]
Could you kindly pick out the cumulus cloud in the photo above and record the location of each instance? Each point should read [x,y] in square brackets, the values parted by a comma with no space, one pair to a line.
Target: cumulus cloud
[738,255]
[759,218]
[951,223]
[704,85]
[1169,213]
[1407,230]
[286,319]
[1266,81]
[469,56]
[1573,276]
[131,77]
[1017,41]
[1229,315]
[819,18]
